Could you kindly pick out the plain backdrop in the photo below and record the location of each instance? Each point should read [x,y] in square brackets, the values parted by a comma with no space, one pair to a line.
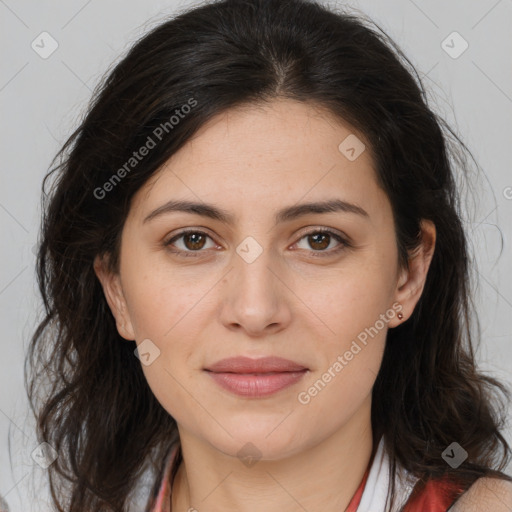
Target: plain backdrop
[42,100]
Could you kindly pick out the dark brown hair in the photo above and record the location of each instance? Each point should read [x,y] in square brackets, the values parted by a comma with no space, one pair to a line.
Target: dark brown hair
[86,387]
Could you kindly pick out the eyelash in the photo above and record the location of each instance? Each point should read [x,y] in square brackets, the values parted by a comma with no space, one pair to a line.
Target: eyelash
[343,242]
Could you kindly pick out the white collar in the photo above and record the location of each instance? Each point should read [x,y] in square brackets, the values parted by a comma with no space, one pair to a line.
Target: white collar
[374,498]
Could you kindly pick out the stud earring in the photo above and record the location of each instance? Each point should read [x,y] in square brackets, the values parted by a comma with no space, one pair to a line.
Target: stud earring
[400,316]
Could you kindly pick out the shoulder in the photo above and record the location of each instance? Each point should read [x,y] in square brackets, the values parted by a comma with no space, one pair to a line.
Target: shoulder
[486,495]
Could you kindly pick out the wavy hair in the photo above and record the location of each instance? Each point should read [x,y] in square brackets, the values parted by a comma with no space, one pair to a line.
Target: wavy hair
[87,390]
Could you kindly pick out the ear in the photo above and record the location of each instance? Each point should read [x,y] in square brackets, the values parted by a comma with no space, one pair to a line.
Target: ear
[411,282]
[114,295]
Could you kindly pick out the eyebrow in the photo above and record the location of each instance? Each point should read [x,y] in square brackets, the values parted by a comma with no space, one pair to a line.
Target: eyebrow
[286,214]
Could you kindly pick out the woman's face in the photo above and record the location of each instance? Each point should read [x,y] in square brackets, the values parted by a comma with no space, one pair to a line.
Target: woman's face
[263,282]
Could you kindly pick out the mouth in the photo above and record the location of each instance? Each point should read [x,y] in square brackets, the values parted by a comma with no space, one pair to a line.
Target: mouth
[254,378]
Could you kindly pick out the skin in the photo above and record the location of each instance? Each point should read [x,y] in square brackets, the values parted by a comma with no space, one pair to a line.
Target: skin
[486,495]
[253,161]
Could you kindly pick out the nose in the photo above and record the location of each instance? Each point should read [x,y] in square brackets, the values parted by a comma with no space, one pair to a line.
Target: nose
[256,299]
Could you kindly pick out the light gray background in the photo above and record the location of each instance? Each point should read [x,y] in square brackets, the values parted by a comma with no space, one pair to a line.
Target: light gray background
[42,100]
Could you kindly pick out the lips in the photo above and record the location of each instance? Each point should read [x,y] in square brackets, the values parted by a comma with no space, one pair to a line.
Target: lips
[255,378]
[262,365]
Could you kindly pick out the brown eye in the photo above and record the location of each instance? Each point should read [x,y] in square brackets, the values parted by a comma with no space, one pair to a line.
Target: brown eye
[318,242]
[194,241]
[191,241]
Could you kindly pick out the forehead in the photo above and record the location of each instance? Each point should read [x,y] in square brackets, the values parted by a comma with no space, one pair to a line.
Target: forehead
[267,155]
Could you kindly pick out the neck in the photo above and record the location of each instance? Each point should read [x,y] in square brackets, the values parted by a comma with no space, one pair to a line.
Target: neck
[323,476]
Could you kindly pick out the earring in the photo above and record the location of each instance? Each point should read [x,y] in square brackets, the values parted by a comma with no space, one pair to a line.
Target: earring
[400,316]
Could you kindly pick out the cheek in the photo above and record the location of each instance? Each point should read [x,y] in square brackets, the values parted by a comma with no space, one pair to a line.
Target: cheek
[160,300]
[354,308]
[163,311]
[347,300]
[345,382]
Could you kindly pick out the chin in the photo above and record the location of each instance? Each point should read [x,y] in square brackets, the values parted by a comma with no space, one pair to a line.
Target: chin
[267,439]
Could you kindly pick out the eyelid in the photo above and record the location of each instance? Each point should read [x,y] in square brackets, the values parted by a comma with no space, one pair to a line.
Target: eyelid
[312,229]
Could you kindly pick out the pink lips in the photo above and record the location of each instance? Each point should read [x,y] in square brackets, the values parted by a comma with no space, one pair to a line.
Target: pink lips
[248,377]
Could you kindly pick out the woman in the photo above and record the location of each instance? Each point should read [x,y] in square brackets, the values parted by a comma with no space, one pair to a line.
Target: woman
[256,281]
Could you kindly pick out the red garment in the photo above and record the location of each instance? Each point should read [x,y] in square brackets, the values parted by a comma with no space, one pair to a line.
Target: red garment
[434,496]
[356,499]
